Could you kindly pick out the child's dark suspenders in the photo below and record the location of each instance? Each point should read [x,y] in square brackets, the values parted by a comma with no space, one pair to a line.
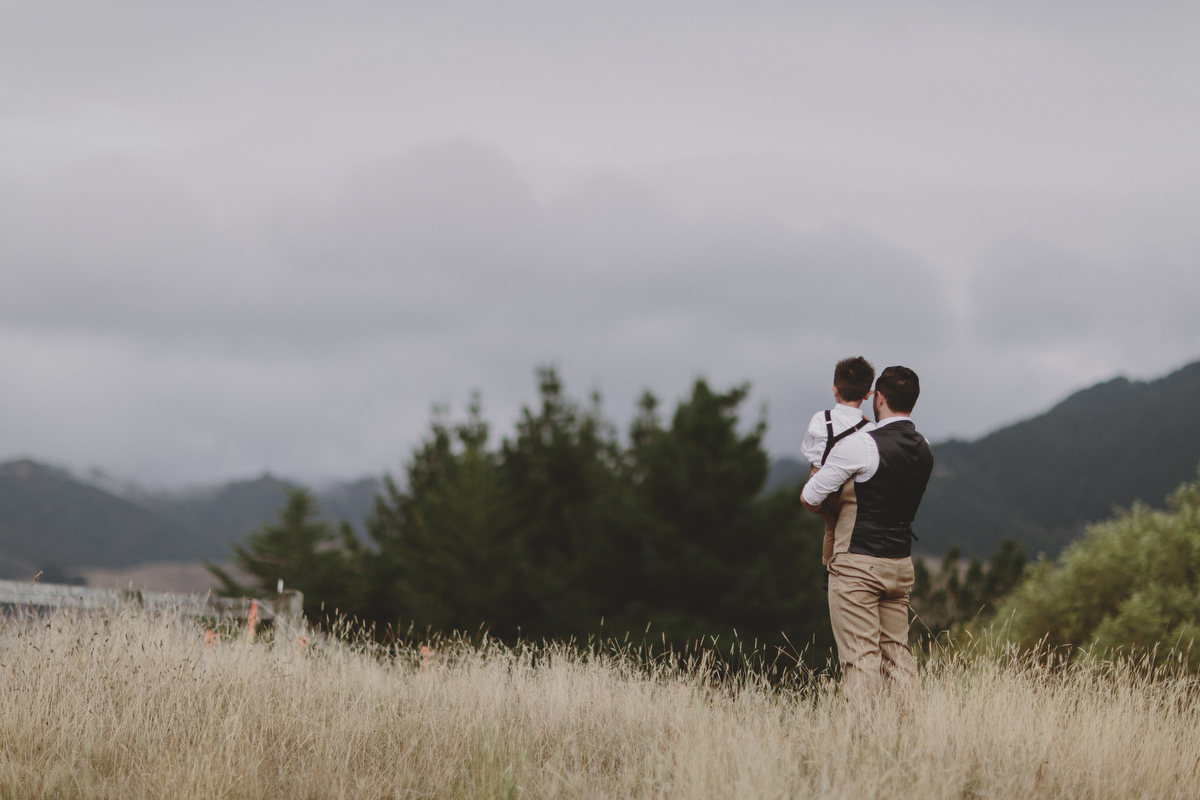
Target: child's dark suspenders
[831,440]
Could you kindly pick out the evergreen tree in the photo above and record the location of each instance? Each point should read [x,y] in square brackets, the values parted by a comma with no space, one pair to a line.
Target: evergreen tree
[561,527]
[952,598]
[533,540]
[720,556]
[444,557]
[307,554]
[570,517]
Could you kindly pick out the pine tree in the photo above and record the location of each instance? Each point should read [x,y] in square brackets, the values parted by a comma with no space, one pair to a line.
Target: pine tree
[443,559]
[719,555]
[307,554]
[570,515]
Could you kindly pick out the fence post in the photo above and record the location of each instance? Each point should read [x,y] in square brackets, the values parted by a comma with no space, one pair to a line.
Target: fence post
[252,620]
[289,606]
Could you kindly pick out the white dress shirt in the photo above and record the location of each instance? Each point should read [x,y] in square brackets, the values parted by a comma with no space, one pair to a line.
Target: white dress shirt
[844,418]
[855,456]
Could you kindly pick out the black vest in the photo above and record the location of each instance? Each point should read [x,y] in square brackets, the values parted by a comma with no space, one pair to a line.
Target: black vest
[887,503]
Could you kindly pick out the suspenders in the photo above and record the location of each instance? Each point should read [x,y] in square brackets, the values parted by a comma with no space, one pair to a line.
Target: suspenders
[831,440]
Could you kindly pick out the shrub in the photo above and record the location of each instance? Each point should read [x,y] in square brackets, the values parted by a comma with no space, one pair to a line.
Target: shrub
[1131,583]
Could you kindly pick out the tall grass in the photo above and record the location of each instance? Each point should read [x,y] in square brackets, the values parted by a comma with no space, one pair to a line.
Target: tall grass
[128,706]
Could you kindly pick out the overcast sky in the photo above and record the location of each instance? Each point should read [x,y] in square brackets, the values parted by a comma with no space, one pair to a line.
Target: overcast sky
[247,236]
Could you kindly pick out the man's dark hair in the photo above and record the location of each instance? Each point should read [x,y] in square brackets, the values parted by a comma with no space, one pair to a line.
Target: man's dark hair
[900,387]
[852,378]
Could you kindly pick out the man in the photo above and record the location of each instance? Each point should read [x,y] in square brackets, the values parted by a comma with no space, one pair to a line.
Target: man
[871,572]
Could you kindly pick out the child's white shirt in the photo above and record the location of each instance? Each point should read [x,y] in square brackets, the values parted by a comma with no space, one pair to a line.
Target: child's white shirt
[844,417]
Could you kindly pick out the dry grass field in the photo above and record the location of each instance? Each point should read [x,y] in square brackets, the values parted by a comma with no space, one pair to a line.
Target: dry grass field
[126,706]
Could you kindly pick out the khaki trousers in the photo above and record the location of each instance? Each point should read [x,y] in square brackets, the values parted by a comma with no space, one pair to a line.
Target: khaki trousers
[868,607]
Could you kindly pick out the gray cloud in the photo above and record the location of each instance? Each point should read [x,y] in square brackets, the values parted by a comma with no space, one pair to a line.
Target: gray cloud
[273,237]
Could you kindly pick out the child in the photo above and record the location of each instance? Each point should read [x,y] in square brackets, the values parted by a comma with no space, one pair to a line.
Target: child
[852,379]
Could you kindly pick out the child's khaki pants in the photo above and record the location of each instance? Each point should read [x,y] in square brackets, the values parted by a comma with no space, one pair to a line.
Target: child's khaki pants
[832,509]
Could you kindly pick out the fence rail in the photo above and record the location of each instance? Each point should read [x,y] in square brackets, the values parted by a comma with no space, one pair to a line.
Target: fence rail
[287,606]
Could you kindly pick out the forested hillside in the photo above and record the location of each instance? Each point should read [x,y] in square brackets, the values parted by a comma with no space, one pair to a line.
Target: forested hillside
[1042,480]
[49,520]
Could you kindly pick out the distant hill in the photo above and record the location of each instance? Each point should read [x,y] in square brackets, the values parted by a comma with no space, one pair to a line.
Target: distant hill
[785,472]
[48,520]
[222,513]
[52,521]
[1042,480]
[231,510]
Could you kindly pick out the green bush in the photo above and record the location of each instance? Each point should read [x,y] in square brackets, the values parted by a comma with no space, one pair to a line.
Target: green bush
[953,600]
[1131,584]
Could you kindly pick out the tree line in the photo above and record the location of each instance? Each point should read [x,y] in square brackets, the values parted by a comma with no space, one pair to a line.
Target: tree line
[564,530]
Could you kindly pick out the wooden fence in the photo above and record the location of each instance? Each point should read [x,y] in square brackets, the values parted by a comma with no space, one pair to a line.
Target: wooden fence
[287,606]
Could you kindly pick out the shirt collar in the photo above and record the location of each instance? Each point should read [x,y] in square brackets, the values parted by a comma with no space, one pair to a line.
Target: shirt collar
[842,408]
[890,420]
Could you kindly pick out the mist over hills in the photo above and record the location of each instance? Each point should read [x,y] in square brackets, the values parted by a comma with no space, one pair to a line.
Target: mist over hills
[49,519]
[227,512]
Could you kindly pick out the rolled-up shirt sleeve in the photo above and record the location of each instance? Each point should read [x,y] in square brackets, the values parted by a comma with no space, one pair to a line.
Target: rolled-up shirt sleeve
[850,458]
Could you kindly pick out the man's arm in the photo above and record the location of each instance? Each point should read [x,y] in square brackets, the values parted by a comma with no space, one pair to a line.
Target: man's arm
[848,459]
[822,484]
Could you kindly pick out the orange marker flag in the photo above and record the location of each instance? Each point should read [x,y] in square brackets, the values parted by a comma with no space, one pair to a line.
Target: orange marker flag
[250,620]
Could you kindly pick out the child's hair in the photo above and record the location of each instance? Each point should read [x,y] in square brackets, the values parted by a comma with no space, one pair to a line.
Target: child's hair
[852,377]
[900,387]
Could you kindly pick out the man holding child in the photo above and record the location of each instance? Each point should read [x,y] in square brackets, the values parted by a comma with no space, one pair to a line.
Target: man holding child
[867,485]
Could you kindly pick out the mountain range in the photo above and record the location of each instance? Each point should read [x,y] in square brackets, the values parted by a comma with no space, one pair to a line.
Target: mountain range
[1042,480]
[51,520]
[1039,481]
